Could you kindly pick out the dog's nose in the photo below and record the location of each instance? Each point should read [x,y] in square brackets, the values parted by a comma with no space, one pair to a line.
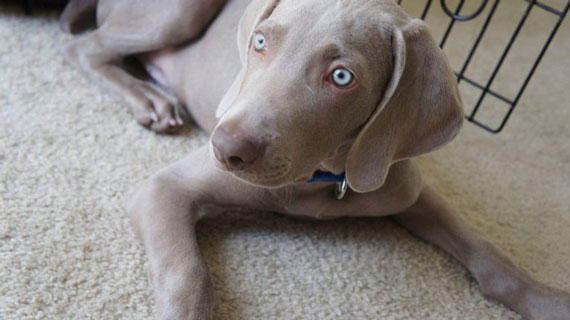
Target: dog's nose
[232,147]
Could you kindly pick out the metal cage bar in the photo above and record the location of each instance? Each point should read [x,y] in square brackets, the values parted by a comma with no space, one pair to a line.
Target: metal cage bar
[456,16]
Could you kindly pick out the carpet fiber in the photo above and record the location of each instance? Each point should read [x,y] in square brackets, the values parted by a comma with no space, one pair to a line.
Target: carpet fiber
[69,154]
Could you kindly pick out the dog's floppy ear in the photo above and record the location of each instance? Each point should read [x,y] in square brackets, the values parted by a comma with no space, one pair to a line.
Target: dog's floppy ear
[420,111]
[255,13]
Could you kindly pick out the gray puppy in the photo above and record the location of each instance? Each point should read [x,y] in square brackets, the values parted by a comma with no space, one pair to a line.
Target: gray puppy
[345,91]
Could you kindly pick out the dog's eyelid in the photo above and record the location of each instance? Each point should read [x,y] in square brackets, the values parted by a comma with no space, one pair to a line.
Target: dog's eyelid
[335,66]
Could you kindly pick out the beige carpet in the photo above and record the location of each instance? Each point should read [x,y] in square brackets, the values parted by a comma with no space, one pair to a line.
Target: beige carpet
[69,154]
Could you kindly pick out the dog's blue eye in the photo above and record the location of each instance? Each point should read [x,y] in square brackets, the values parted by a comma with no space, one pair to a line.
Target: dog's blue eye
[342,78]
[259,42]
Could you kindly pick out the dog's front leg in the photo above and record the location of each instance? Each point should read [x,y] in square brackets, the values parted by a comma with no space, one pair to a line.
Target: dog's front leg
[434,221]
[164,212]
[165,218]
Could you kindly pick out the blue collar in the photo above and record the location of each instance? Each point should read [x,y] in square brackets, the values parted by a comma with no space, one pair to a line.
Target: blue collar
[323,176]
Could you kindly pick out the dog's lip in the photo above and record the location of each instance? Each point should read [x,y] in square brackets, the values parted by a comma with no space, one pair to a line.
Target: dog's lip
[280,179]
[272,183]
[303,178]
[270,180]
[222,165]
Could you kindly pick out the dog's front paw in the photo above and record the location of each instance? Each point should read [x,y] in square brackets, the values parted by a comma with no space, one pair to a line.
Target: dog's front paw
[183,296]
[157,110]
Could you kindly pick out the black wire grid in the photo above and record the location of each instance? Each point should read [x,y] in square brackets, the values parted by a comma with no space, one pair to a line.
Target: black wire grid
[456,16]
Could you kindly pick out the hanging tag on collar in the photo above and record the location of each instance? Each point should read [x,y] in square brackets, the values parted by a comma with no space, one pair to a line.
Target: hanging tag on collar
[341,188]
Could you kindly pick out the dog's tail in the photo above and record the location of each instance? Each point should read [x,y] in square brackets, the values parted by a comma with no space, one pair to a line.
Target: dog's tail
[78,16]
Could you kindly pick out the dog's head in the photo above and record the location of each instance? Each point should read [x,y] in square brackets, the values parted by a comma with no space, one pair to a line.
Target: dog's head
[344,86]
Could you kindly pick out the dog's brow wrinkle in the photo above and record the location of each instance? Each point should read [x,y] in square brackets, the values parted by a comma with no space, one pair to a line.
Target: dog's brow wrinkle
[272,27]
[331,50]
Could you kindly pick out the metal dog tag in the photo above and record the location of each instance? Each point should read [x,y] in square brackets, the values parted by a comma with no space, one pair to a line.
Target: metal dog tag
[340,190]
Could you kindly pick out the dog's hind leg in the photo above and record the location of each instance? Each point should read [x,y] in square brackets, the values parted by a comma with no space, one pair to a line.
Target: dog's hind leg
[78,16]
[434,221]
[129,27]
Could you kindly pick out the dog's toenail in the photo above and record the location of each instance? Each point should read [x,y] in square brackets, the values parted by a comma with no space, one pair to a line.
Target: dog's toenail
[154,117]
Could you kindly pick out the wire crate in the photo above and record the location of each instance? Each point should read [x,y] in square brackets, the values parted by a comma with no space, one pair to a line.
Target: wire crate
[485,10]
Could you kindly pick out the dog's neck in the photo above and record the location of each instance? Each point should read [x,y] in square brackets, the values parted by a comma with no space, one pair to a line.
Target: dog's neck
[332,170]
[336,161]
